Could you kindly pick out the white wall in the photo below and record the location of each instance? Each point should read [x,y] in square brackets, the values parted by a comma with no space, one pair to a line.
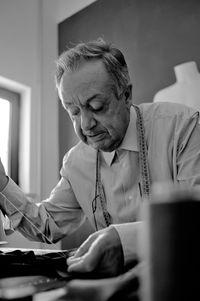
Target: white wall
[20,57]
[24,61]
[66,8]
[20,66]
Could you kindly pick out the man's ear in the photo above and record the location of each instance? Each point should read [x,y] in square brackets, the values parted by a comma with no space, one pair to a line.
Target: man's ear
[128,95]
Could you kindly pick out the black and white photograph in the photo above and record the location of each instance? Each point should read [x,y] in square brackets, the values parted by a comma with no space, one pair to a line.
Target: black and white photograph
[99,150]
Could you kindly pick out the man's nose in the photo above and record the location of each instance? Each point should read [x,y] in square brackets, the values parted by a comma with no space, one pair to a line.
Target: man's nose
[87,120]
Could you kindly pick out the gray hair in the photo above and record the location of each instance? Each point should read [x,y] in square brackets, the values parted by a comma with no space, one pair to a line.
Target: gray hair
[112,58]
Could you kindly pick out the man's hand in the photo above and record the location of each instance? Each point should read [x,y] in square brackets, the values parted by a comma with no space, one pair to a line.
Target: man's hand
[3,177]
[101,253]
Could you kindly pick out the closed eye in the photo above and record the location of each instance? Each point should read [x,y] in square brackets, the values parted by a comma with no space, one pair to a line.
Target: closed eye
[96,106]
[97,109]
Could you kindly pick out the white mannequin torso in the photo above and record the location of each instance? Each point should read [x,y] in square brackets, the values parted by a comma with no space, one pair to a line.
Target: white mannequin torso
[186,90]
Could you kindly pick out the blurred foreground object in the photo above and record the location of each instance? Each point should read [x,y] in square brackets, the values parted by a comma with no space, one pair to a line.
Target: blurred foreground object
[123,287]
[171,245]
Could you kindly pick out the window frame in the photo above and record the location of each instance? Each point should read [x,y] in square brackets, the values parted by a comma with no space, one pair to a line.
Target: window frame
[14,99]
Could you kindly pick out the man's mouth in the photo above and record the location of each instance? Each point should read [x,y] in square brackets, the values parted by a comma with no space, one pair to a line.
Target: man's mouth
[96,137]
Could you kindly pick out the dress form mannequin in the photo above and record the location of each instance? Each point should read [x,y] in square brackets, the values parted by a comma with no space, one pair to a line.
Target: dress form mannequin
[186,90]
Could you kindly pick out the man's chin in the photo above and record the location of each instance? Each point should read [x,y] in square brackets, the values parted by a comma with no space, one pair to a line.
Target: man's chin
[97,144]
[102,146]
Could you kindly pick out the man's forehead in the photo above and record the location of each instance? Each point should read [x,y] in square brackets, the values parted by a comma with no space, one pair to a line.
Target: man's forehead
[88,79]
[87,72]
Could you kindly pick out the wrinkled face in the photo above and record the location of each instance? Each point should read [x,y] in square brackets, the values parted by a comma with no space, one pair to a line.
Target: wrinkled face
[100,119]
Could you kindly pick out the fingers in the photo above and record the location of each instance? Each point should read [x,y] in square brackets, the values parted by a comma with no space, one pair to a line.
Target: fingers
[85,246]
[87,257]
[101,252]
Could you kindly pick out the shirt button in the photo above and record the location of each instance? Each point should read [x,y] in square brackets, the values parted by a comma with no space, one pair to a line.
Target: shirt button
[124,164]
[130,197]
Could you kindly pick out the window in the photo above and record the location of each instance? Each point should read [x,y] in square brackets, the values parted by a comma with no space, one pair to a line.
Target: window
[4,132]
[9,132]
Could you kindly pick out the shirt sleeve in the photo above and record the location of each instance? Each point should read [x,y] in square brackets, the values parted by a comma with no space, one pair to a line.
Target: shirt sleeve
[47,221]
[130,235]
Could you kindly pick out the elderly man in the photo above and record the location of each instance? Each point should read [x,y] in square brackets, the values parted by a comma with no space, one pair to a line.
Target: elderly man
[106,177]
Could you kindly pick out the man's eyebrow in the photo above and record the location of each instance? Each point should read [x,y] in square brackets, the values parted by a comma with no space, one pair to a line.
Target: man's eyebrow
[93,97]
[88,100]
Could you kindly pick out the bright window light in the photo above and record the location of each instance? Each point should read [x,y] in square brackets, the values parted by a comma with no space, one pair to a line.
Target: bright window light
[4,132]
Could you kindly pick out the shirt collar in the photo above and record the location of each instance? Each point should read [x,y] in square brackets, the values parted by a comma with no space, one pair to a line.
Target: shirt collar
[130,139]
